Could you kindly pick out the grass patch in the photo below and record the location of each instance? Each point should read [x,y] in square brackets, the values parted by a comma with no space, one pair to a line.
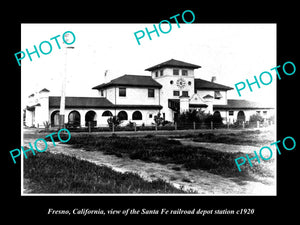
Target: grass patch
[58,173]
[163,150]
[248,137]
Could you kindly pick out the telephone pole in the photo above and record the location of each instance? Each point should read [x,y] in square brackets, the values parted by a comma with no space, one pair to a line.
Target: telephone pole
[63,89]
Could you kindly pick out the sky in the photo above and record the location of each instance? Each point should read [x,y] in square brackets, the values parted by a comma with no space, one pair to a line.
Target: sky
[231,52]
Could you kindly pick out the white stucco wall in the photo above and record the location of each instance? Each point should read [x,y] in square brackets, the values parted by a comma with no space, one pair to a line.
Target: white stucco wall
[102,120]
[137,96]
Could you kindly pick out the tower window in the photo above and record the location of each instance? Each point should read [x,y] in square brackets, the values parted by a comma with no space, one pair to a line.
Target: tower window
[185,93]
[175,72]
[175,93]
[184,72]
[161,72]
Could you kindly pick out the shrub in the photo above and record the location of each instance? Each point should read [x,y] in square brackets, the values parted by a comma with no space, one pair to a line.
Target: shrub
[113,121]
[158,119]
[255,118]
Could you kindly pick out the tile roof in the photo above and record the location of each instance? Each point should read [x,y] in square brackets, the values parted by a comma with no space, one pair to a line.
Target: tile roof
[173,63]
[80,102]
[242,104]
[207,85]
[94,102]
[131,81]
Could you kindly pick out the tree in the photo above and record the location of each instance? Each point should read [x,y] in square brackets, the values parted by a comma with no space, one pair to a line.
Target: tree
[201,117]
[113,121]
[256,117]
[158,119]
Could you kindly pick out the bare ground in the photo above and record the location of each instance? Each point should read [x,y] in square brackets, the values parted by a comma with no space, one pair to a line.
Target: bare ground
[194,181]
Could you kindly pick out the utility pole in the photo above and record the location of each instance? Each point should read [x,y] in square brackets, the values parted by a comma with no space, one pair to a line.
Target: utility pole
[63,89]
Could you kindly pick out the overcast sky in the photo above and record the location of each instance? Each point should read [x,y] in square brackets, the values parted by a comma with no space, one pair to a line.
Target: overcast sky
[231,52]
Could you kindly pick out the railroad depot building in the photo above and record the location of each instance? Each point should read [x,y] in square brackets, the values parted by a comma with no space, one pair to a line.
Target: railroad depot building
[170,90]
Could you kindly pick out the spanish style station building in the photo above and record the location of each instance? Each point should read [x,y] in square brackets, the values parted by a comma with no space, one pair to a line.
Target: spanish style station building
[171,89]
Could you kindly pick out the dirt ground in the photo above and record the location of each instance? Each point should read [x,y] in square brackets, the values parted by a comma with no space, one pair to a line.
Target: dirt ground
[194,181]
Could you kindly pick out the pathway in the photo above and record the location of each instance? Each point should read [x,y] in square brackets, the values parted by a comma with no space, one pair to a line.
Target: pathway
[198,181]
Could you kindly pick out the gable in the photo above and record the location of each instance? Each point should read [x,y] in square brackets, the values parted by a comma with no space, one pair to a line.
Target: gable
[196,99]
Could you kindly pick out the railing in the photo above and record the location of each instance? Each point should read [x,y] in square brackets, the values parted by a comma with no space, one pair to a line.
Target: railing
[171,126]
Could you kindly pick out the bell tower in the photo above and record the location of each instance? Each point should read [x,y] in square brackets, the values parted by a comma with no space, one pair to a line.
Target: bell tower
[178,81]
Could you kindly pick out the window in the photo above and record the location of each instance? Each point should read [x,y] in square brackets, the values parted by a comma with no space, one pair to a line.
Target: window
[151,93]
[137,115]
[150,115]
[184,72]
[175,72]
[218,95]
[122,115]
[230,113]
[156,73]
[122,92]
[107,113]
[189,83]
[171,82]
[102,93]
[175,93]
[265,113]
[161,72]
[185,93]
[258,112]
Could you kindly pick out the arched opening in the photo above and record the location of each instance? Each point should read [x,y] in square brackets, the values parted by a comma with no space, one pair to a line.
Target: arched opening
[122,115]
[241,117]
[74,119]
[137,115]
[91,117]
[107,113]
[55,118]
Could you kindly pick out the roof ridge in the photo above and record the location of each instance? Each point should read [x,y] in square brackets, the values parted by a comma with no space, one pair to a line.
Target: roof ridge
[173,63]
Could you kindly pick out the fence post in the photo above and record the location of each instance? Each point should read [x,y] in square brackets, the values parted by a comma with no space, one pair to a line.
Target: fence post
[175,125]
[89,124]
[227,124]
[156,126]
[194,125]
[113,127]
[257,124]
[211,125]
[134,127]
[243,124]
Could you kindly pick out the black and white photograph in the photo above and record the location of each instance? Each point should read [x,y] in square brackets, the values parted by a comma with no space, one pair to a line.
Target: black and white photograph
[139,112]
[159,118]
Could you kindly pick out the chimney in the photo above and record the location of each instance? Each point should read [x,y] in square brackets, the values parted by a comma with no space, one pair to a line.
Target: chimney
[213,79]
